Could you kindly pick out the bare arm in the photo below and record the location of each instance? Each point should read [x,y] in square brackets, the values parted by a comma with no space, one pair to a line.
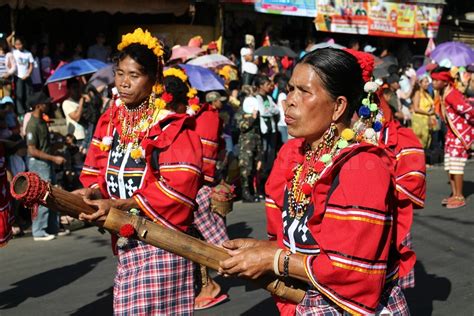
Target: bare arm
[252,258]
[39,154]
[30,70]
[416,104]
[10,40]
[103,207]
[76,115]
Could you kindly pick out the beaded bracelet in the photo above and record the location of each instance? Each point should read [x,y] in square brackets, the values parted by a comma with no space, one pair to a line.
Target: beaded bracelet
[276,261]
[286,264]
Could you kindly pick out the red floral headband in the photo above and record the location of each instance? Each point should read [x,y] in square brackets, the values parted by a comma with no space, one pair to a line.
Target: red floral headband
[366,62]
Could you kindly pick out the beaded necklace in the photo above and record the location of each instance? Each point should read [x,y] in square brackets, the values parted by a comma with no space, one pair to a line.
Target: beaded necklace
[304,175]
[135,125]
[134,122]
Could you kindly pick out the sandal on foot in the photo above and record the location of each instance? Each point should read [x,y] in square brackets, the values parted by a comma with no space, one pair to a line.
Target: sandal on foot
[446,200]
[213,301]
[457,202]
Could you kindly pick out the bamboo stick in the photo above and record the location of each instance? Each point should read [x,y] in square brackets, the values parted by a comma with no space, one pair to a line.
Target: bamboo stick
[151,233]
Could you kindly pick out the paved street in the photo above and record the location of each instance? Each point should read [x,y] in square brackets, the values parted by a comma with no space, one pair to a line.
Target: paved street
[73,275]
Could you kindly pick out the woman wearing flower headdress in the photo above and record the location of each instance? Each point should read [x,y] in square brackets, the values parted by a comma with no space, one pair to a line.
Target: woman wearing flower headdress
[458,114]
[145,159]
[208,127]
[331,212]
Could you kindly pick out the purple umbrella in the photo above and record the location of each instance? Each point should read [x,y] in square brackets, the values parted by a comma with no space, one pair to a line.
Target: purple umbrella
[203,79]
[458,53]
[421,71]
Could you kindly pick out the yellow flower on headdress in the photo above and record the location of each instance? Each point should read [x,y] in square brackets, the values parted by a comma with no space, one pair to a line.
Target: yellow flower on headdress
[191,93]
[158,89]
[144,38]
[160,104]
[176,73]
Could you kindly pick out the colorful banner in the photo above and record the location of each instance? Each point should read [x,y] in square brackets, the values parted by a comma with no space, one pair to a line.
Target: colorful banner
[342,16]
[381,18]
[287,7]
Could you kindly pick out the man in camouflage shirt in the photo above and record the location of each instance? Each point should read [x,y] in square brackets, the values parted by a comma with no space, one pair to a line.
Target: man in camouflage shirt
[250,148]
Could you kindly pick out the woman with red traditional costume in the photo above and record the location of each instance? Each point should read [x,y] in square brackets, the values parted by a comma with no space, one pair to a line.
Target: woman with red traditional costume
[331,209]
[210,226]
[459,117]
[145,159]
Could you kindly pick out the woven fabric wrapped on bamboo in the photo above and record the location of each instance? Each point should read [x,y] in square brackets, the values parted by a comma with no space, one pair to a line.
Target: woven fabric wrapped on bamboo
[222,199]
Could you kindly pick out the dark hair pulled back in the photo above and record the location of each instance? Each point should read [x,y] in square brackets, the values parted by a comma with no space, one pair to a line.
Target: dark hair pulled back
[340,74]
[144,57]
[178,89]
[260,80]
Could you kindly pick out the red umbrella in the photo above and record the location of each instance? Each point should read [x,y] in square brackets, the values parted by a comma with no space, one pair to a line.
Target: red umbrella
[58,90]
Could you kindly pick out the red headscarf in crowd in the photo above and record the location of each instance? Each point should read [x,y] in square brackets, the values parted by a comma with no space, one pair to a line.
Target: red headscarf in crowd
[443,76]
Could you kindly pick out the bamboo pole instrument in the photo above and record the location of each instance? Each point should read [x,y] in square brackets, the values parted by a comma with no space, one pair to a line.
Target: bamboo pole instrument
[28,188]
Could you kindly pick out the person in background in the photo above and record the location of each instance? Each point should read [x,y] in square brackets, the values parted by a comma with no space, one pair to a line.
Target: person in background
[45,224]
[72,108]
[24,66]
[423,112]
[78,52]
[281,84]
[250,143]
[392,98]
[310,42]
[59,54]
[269,113]
[7,105]
[353,43]
[7,69]
[16,164]
[45,63]
[99,51]
[36,72]
[249,68]
[459,116]
[212,48]
[5,199]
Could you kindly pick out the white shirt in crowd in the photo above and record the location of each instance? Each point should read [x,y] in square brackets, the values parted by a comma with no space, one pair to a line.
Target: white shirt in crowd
[23,59]
[249,67]
[7,64]
[70,106]
[267,108]
[281,99]
[250,105]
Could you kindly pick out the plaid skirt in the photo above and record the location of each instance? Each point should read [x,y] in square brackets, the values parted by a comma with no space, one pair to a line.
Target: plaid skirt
[152,281]
[209,224]
[392,303]
[408,281]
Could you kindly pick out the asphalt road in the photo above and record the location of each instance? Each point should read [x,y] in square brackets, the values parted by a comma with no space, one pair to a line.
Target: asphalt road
[73,275]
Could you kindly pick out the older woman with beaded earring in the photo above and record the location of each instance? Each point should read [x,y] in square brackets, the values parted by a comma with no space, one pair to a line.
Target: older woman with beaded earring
[145,159]
[330,207]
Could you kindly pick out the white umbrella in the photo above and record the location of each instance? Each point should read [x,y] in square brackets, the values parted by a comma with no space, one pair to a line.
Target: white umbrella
[210,61]
[325,45]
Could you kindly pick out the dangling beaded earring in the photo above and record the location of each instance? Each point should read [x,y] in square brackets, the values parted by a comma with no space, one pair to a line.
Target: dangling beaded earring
[331,134]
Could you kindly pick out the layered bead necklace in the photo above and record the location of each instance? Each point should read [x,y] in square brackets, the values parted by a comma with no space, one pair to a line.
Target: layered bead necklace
[304,175]
[133,122]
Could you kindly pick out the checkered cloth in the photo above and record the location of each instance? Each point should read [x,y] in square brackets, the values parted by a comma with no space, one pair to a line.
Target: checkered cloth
[314,304]
[408,281]
[152,281]
[209,224]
